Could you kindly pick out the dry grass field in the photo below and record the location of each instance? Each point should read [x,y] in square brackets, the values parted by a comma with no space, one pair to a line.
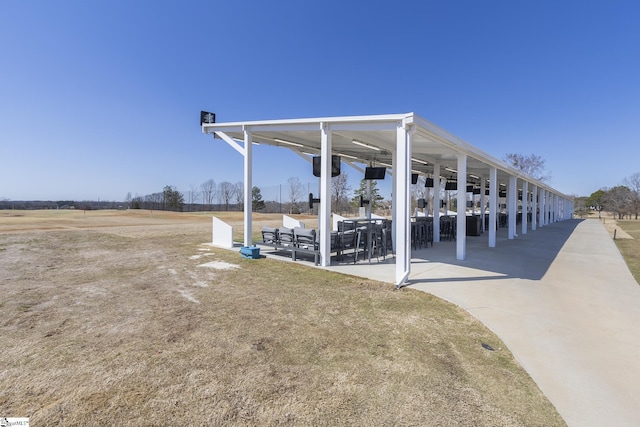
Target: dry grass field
[127,318]
[630,247]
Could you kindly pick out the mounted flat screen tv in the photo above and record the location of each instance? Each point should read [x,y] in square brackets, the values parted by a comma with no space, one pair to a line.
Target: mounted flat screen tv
[335,165]
[451,185]
[374,173]
[428,182]
[469,188]
[502,193]
[476,191]
[414,178]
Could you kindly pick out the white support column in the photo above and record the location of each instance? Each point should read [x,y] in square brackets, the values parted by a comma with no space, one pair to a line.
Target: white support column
[483,201]
[248,186]
[512,205]
[534,208]
[543,207]
[525,206]
[394,204]
[461,232]
[368,208]
[401,195]
[436,202]
[571,210]
[324,211]
[493,205]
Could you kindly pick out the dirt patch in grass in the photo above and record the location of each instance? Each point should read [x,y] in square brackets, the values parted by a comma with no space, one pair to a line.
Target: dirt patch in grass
[116,323]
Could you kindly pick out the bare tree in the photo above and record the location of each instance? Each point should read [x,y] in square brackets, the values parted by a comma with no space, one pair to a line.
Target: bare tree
[208,192]
[531,164]
[194,194]
[239,193]
[226,191]
[295,194]
[618,200]
[340,189]
[633,182]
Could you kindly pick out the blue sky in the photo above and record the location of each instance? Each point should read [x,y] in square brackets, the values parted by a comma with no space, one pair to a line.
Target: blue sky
[100,98]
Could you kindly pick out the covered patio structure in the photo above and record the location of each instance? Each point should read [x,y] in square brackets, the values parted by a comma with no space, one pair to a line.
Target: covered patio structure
[405,144]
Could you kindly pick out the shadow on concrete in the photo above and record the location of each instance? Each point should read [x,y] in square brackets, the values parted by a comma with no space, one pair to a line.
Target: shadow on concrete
[527,256]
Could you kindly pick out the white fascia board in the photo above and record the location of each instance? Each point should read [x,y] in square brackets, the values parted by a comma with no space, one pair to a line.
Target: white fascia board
[222,127]
[427,128]
[310,121]
[292,127]
[364,127]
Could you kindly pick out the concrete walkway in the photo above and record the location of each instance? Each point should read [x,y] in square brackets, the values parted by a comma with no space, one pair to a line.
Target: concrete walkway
[564,302]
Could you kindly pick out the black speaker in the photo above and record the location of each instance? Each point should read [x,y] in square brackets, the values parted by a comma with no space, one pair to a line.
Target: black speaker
[414,178]
[312,200]
[335,165]
[428,182]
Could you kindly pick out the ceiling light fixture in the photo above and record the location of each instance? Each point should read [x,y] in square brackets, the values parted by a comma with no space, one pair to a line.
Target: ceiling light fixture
[282,141]
[419,161]
[362,144]
[451,170]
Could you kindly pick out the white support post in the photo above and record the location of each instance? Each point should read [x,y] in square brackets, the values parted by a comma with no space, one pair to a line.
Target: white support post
[368,209]
[571,211]
[436,202]
[560,209]
[394,204]
[461,232]
[512,205]
[248,209]
[534,208]
[493,205]
[324,211]
[525,206]
[483,201]
[543,207]
[402,178]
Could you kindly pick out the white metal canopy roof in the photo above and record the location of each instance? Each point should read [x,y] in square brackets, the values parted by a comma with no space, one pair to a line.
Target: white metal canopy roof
[377,135]
[407,144]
